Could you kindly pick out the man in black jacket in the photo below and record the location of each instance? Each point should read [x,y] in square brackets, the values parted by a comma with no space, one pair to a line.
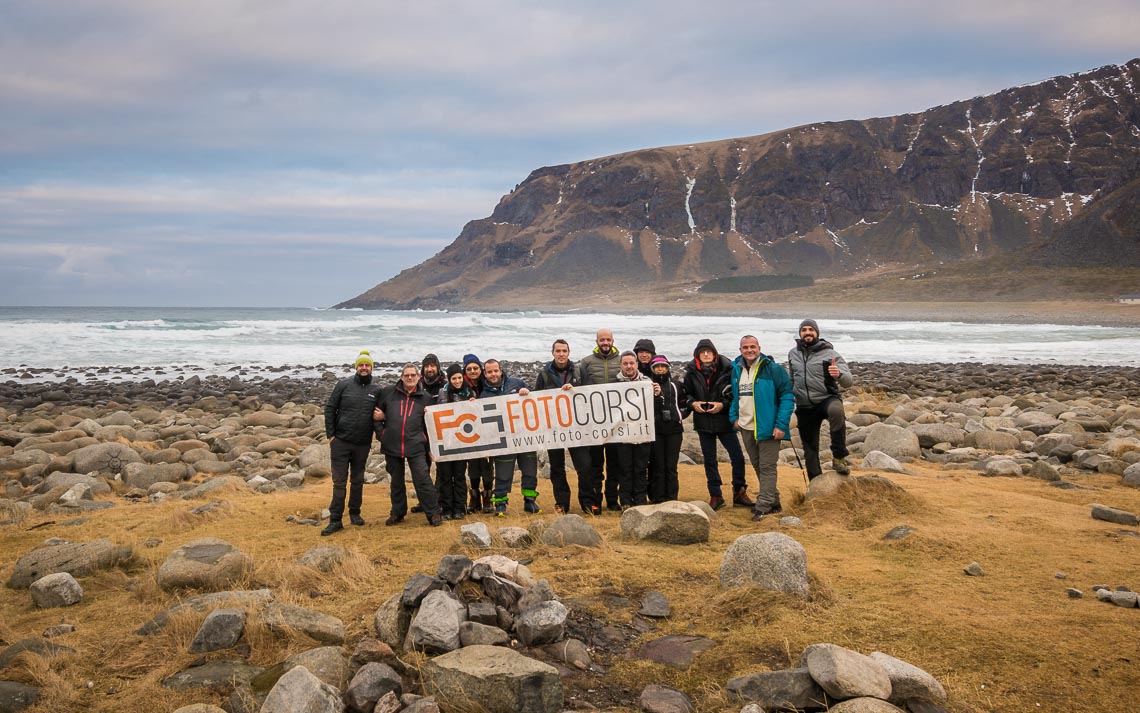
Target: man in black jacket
[403,441]
[349,428]
[561,373]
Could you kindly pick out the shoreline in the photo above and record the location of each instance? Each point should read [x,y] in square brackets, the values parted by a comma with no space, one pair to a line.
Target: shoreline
[282,385]
[1071,313]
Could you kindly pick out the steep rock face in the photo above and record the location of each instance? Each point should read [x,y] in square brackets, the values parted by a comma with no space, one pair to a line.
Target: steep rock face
[1052,167]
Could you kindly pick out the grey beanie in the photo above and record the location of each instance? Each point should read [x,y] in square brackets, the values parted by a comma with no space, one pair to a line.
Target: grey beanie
[810,323]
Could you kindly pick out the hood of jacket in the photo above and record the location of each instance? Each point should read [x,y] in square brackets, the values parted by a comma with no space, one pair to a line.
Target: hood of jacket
[705,344]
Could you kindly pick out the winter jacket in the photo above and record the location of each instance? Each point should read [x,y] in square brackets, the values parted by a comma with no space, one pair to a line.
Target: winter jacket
[771,395]
[712,386]
[670,407]
[550,377]
[598,369]
[808,367]
[404,434]
[348,412]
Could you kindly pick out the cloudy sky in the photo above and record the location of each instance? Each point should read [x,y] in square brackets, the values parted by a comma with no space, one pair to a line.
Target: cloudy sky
[295,153]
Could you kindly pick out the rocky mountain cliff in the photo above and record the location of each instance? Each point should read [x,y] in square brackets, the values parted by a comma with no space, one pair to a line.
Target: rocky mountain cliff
[1049,170]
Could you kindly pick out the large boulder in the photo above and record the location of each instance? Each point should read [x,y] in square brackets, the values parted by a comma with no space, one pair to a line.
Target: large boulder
[895,441]
[109,458]
[771,560]
[208,563]
[76,558]
[299,690]
[844,673]
[571,530]
[673,523]
[495,678]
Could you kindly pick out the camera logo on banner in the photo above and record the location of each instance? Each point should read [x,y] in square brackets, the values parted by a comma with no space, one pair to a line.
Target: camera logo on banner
[463,428]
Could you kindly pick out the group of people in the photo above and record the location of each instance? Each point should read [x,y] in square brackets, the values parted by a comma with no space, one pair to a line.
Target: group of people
[748,400]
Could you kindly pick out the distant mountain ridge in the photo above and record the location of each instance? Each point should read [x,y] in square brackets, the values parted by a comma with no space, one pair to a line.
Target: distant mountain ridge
[1051,170]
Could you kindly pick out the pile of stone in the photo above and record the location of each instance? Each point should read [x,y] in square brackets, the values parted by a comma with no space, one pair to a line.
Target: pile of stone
[1121,596]
[1046,436]
[834,678]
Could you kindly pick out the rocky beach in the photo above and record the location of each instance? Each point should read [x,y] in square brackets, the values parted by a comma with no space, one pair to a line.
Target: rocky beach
[129,503]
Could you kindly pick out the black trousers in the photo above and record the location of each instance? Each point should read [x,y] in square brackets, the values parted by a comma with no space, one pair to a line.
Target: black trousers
[664,454]
[632,464]
[451,483]
[580,457]
[343,456]
[603,458]
[481,473]
[809,419]
[421,480]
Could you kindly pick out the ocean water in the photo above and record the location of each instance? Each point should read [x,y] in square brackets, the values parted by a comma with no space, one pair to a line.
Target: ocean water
[311,340]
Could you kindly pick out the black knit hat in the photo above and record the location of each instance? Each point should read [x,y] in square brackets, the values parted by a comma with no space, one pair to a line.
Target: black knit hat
[453,370]
[430,359]
[810,323]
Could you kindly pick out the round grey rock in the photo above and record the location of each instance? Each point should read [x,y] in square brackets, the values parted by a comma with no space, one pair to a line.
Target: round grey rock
[56,590]
[771,560]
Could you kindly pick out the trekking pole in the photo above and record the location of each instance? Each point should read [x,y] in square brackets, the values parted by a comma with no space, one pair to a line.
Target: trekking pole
[800,464]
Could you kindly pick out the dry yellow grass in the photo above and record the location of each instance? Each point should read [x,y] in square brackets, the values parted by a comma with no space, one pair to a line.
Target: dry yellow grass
[1009,641]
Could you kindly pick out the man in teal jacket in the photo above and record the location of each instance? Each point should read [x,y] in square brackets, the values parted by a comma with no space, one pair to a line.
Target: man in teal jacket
[762,404]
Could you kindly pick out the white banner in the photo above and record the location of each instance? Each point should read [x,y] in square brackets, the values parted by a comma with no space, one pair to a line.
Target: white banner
[584,416]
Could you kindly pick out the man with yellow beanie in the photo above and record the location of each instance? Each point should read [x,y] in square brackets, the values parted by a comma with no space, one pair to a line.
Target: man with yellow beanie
[349,428]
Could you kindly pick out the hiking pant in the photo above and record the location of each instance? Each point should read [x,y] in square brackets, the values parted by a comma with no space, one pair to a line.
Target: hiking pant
[451,482]
[421,481]
[632,461]
[580,457]
[343,455]
[480,473]
[735,456]
[763,455]
[664,454]
[603,456]
[809,419]
[505,476]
